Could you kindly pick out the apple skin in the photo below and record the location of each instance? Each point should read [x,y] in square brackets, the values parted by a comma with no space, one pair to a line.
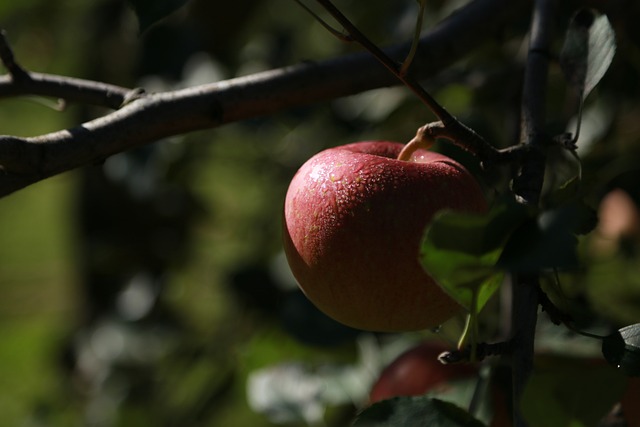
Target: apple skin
[416,372]
[354,217]
[631,403]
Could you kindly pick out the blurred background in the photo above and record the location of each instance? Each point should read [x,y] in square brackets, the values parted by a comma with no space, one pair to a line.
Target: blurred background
[151,290]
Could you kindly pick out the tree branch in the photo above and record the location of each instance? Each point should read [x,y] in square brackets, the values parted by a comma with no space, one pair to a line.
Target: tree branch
[77,90]
[150,117]
[527,187]
[447,125]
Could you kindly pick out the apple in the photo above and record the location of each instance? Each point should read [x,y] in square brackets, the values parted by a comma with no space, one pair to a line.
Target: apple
[354,217]
[618,223]
[630,403]
[417,371]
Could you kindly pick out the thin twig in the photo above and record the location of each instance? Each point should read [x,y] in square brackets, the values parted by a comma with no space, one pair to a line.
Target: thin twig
[558,316]
[576,135]
[427,135]
[339,35]
[465,137]
[68,88]
[437,109]
[17,73]
[416,40]
[482,350]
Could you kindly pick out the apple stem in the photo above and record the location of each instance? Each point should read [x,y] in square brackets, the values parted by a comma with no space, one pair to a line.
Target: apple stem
[427,135]
[470,333]
[424,139]
[482,351]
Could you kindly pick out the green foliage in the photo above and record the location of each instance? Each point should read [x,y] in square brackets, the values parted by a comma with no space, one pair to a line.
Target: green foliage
[151,11]
[570,392]
[415,411]
[221,337]
[613,285]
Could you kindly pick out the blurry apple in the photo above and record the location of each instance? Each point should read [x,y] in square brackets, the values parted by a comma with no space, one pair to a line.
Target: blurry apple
[416,372]
[354,217]
[618,221]
[631,403]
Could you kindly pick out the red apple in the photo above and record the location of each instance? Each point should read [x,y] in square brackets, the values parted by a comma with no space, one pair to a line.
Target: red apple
[353,221]
[416,372]
[631,403]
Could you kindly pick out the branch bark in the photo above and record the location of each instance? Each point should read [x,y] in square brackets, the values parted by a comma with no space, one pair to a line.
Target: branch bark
[150,117]
[527,187]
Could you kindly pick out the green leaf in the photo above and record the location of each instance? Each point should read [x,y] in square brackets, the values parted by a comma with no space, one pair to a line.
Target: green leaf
[415,411]
[622,350]
[612,285]
[570,392]
[563,178]
[565,192]
[588,50]
[151,11]
[461,250]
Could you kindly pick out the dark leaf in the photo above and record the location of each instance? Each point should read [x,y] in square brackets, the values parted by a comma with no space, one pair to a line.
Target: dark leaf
[622,350]
[586,219]
[415,411]
[563,180]
[548,241]
[151,11]
[567,391]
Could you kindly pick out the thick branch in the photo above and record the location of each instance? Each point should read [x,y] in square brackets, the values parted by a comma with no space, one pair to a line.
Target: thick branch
[527,187]
[154,116]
